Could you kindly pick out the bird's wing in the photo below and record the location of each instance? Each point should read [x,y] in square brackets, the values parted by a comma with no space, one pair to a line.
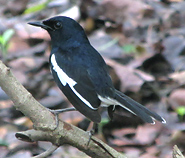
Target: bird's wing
[75,84]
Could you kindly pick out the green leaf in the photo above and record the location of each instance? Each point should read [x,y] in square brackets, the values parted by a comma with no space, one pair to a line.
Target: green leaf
[103,122]
[129,48]
[1,39]
[4,39]
[181,110]
[37,7]
[7,36]
[3,143]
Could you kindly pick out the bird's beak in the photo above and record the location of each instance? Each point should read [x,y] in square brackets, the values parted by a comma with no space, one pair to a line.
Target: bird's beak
[40,24]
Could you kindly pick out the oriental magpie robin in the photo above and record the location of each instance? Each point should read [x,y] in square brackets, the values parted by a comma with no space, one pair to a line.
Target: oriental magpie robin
[81,73]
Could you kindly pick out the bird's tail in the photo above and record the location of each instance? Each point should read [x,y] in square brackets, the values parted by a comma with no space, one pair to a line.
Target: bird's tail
[137,109]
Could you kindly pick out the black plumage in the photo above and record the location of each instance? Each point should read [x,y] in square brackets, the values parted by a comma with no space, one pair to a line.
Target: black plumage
[81,73]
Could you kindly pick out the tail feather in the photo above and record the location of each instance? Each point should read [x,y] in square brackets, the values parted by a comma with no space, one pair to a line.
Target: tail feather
[138,109]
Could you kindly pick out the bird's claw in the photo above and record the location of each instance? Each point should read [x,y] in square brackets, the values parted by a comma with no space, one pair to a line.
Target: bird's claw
[90,133]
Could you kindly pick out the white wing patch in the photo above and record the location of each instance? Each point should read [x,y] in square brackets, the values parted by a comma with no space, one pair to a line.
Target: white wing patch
[65,79]
[61,74]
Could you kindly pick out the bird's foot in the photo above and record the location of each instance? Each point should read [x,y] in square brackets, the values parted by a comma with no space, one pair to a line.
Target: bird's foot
[57,112]
[91,133]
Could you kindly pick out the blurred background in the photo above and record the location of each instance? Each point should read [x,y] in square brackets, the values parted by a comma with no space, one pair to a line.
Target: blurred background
[142,42]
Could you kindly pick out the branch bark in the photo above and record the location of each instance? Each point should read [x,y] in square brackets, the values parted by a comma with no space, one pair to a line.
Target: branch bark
[176,152]
[44,122]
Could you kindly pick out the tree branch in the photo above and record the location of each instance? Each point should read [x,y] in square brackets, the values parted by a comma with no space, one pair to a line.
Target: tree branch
[44,122]
[176,152]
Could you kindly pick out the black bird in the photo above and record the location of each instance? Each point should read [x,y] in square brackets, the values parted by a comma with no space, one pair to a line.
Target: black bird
[81,73]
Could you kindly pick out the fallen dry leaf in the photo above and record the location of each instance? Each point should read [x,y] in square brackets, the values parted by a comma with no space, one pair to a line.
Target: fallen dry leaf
[178,96]
[147,133]
[129,80]
[178,76]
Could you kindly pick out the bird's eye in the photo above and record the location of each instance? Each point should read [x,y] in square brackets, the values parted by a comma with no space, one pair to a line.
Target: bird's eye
[57,25]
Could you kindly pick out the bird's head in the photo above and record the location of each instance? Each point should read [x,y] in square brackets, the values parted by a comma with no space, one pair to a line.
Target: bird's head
[62,29]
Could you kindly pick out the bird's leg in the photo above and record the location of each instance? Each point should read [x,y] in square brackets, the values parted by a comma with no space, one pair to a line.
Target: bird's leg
[91,132]
[56,112]
[62,110]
